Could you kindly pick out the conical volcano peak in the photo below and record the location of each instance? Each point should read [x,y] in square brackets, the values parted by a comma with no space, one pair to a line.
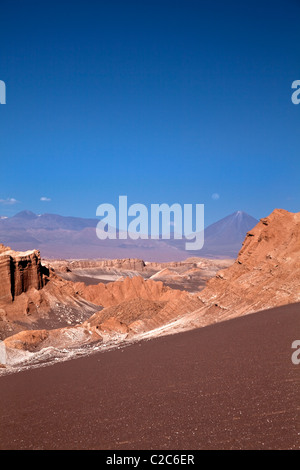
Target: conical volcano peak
[25,215]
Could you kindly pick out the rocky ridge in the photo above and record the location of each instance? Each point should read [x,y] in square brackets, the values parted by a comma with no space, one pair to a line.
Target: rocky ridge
[265,274]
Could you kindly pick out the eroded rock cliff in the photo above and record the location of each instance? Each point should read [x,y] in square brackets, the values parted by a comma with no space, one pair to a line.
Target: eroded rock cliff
[266,274]
[19,272]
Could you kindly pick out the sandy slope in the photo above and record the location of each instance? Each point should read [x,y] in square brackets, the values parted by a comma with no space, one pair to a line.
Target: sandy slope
[229,385]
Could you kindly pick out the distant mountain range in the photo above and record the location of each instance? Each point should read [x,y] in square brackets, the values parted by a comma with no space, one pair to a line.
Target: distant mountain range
[57,236]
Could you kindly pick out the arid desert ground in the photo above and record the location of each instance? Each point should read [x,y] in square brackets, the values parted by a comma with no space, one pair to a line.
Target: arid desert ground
[130,354]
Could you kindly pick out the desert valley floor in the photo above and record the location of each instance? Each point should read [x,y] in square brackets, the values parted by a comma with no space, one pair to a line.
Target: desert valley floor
[226,386]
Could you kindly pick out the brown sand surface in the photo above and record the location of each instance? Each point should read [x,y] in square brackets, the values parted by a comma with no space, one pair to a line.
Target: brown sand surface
[227,386]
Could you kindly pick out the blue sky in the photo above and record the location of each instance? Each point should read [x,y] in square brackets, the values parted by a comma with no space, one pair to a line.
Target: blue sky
[163,101]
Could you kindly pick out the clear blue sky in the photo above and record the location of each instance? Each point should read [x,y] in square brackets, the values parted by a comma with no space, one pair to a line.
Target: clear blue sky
[163,101]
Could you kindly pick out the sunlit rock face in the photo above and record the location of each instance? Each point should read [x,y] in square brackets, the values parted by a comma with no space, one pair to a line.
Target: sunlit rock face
[18,273]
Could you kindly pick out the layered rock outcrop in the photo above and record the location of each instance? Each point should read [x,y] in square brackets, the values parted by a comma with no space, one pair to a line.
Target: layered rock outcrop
[33,296]
[130,264]
[116,292]
[265,274]
[126,264]
[132,306]
[267,270]
[18,273]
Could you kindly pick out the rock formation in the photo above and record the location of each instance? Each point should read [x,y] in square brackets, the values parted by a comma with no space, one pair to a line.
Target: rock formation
[266,274]
[116,292]
[132,306]
[190,275]
[19,272]
[129,264]
[28,298]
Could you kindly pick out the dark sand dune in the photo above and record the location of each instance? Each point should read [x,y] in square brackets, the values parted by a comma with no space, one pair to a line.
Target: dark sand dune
[228,386]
